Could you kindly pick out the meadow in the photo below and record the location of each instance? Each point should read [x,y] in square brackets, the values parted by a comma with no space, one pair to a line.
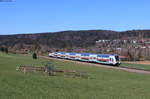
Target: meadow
[104,83]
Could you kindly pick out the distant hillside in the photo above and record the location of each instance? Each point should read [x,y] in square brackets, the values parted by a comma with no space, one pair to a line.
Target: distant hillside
[70,38]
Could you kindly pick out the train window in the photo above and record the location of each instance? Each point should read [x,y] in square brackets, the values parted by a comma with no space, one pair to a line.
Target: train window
[117,58]
[111,59]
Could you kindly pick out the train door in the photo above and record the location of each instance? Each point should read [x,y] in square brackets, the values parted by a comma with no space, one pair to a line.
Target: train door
[78,56]
[67,55]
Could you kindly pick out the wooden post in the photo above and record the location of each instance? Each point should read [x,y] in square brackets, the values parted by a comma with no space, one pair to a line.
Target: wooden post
[24,70]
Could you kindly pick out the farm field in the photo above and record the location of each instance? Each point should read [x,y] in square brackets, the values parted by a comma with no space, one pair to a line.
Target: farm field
[104,83]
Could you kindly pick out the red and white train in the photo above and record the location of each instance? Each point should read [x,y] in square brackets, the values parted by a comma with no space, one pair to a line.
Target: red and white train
[88,57]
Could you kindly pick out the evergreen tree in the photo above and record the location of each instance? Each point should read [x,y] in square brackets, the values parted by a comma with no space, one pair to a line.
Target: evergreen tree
[2,49]
[34,56]
[6,50]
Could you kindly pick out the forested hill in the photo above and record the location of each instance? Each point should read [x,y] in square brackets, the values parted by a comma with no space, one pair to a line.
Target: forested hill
[70,38]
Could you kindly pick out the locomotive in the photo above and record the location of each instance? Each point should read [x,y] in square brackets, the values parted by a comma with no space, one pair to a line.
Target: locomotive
[107,59]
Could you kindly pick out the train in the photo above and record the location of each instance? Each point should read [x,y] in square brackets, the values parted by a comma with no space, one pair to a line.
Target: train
[107,59]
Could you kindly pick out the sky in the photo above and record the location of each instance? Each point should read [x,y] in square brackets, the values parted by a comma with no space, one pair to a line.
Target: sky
[35,16]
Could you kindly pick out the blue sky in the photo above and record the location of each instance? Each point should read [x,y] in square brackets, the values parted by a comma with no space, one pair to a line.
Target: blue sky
[34,16]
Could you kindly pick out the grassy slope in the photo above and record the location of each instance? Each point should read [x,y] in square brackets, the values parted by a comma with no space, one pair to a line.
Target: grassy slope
[106,83]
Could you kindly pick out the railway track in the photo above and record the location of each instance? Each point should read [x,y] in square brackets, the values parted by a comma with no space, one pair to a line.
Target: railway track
[143,71]
[124,68]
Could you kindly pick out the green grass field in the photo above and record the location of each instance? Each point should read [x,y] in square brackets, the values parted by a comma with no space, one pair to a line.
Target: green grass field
[105,83]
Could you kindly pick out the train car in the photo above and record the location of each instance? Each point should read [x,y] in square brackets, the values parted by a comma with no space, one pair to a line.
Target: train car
[88,57]
[72,56]
[85,57]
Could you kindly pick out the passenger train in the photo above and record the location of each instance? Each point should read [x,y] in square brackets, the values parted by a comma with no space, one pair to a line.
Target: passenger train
[88,57]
